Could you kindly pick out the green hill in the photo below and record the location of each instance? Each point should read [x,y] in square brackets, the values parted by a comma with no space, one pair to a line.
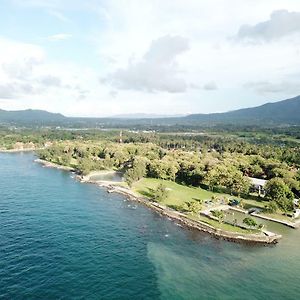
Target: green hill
[286,112]
[282,112]
[30,116]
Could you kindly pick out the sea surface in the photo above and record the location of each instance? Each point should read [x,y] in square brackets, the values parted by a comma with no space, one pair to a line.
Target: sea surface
[61,239]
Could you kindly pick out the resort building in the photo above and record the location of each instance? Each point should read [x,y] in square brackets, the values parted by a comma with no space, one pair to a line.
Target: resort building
[258,185]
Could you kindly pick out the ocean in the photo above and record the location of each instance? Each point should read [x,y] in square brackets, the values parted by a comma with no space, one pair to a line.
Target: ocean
[62,239]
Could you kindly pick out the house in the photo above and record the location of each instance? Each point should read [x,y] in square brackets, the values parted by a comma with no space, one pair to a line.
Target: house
[258,185]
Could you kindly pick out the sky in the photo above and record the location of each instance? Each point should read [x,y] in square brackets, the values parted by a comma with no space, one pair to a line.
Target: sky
[109,57]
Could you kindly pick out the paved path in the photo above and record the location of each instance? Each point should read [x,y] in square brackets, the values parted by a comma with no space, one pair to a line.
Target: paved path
[286,223]
[219,207]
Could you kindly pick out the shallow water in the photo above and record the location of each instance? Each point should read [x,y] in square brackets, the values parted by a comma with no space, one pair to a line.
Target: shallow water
[61,239]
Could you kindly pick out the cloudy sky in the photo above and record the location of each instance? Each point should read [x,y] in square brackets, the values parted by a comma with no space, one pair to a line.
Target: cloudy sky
[109,57]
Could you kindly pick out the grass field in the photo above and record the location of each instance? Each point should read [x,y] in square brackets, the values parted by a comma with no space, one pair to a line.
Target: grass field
[222,226]
[177,194]
[248,203]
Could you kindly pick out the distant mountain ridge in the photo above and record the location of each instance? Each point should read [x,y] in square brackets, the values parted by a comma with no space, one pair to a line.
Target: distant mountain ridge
[285,112]
[145,116]
[30,116]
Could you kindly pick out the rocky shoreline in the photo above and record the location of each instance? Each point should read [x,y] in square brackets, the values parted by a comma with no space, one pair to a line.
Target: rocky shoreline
[189,223]
[182,219]
[49,164]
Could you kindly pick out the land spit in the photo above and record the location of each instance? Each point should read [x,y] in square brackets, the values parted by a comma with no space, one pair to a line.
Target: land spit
[265,238]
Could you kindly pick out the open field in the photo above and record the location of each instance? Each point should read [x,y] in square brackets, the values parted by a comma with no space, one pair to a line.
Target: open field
[177,194]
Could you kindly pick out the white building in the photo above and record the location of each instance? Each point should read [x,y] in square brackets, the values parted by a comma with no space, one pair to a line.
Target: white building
[258,185]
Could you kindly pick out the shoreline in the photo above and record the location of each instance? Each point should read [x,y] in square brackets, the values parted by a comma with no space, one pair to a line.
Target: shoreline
[98,173]
[19,150]
[266,238]
[49,164]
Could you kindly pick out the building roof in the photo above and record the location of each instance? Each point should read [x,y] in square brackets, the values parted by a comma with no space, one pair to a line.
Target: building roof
[257,181]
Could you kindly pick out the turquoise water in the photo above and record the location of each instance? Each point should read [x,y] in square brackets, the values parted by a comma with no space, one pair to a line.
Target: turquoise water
[61,239]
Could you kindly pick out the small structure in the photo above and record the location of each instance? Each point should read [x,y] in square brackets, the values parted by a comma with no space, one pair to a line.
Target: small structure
[296,213]
[48,144]
[258,185]
[120,138]
[234,202]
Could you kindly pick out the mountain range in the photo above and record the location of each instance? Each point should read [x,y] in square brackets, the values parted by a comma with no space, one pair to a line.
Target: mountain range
[285,112]
[30,116]
[281,112]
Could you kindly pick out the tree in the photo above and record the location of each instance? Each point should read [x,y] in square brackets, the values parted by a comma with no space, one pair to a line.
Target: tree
[271,207]
[250,222]
[139,165]
[130,177]
[219,214]
[137,171]
[194,206]
[165,168]
[278,191]
[84,166]
[261,226]
[227,176]
[160,193]
[240,184]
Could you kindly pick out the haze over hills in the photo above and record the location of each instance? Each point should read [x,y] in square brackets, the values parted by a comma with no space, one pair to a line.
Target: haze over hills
[144,116]
[30,116]
[286,112]
[281,112]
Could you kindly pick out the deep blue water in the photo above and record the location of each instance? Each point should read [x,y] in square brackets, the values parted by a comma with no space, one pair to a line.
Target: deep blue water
[60,239]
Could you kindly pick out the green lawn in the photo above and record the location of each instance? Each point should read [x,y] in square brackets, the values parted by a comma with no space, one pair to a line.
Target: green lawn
[278,216]
[248,203]
[177,193]
[261,204]
[223,226]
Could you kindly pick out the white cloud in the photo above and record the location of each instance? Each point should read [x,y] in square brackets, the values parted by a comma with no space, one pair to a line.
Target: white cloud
[59,37]
[267,88]
[28,79]
[157,70]
[210,86]
[50,80]
[282,23]
[60,16]
[145,73]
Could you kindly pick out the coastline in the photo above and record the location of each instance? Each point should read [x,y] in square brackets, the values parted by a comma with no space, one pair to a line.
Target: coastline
[49,164]
[265,238]
[97,173]
[19,150]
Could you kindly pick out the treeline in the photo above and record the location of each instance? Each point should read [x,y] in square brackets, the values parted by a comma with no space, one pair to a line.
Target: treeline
[280,144]
[227,169]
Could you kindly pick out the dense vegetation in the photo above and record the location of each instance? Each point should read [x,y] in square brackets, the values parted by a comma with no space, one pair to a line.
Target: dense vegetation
[216,166]
[218,160]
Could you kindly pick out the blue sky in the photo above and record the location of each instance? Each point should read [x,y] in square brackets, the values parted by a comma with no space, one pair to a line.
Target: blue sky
[101,58]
